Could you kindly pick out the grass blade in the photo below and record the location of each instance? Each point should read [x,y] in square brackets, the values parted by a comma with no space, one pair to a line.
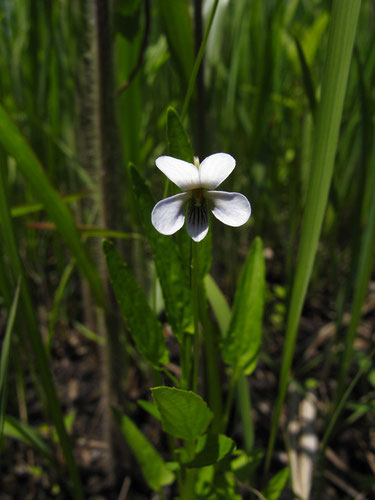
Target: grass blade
[340,45]
[16,146]
[5,357]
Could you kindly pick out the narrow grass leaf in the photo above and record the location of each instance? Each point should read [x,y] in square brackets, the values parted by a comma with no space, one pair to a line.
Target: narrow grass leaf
[307,78]
[174,279]
[15,429]
[365,266]
[218,303]
[179,145]
[153,467]
[143,325]
[240,348]
[16,146]
[276,485]
[51,400]
[335,75]
[179,31]
[184,414]
[4,362]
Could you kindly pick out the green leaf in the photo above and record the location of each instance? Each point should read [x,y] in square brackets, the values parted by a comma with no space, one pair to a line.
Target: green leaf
[143,325]
[154,469]
[240,348]
[276,485]
[5,357]
[150,408]
[179,145]
[174,279]
[184,414]
[210,449]
[179,31]
[16,146]
[341,37]
[16,429]
[218,303]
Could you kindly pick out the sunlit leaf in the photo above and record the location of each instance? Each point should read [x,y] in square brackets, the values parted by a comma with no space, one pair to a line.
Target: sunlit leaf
[153,467]
[184,414]
[240,348]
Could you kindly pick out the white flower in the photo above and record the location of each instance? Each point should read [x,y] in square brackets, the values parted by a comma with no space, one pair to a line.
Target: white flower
[197,184]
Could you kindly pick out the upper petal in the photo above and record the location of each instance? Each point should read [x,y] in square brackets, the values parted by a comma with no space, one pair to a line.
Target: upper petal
[215,168]
[231,208]
[185,175]
[168,215]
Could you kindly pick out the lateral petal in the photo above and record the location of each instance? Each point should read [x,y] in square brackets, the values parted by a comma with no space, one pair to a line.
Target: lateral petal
[215,169]
[168,215]
[232,209]
[185,175]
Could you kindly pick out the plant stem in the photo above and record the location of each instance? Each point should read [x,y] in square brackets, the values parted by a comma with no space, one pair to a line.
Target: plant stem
[195,296]
[229,401]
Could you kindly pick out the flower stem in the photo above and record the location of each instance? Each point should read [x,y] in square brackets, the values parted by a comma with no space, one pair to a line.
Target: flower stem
[195,296]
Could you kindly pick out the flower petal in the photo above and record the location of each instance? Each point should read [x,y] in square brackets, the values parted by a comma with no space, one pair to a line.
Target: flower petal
[197,220]
[232,209]
[185,175]
[215,168]
[168,215]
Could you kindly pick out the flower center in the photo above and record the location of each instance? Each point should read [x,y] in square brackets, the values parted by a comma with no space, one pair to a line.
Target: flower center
[197,210]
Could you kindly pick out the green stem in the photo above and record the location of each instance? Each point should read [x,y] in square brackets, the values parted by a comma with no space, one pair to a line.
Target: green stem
[212,366]
[230,397]
[198,60]
[195,295]
[244,404]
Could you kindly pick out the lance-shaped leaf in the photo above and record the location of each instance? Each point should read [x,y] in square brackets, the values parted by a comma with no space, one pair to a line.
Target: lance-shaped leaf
[184,414]
[240,348]
[276,485]
[154,469]
[174,279]
[5,357]
[140,319]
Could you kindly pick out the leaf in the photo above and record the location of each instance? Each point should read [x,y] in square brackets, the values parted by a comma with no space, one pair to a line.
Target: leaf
[149,407]
[174,279]
[16,146]
[240,348]
[218,303]
[276,485]
[154,469]
[210,449]
[184,414]
[179,145]
[5,356]
[179,31]
[307,77]
[16,429]
[143,325]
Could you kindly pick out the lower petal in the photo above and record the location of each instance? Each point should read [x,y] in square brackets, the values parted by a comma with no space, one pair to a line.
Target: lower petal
[197,220]
[168,215]
[232,209]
